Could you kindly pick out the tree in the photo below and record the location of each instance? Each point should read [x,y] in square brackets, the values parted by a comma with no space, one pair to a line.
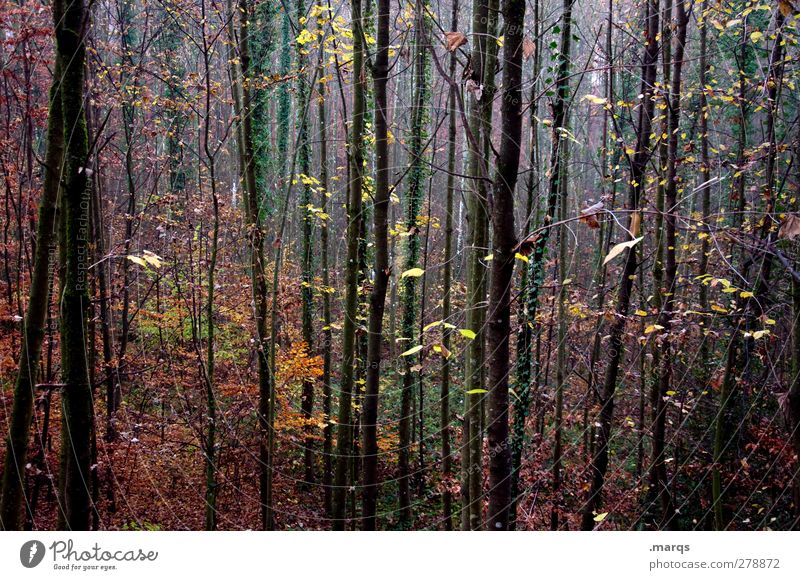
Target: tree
[77,413]
[504,243]
[638,164]
[380,285]
[356,164]
[13,483]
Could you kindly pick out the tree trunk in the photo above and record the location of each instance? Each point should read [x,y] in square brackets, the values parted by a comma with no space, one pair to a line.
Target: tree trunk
[504,241]
[345,428]
[599,464]
[13,482]
[382,270]
[71,23]
[658,469]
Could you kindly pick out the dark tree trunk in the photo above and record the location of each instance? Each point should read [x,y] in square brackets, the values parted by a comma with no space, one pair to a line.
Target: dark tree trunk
[71,24]
[599,464]
[377,299]
[504,242]
[34,326]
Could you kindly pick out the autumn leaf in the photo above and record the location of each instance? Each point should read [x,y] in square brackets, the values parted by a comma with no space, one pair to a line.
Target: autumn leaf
[476,391]
[152,259]
[453,40]
[474,88]
[594,99]
[636,222]
[790,228]
[413,273]
[619,248]
[786,8]
[467,333]
[137,260]
[589,215]
[526,246]
[528,48]
[432,325]
[413,350]
[600,517]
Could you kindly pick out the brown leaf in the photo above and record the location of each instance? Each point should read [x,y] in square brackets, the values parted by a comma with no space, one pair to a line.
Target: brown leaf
[475,89]
[790,228]
[454,39]
[526,246]
[589,215]
[636,223]
[528,48]
[786,8]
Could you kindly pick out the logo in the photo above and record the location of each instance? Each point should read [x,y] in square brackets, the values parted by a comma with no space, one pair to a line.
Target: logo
[31,553]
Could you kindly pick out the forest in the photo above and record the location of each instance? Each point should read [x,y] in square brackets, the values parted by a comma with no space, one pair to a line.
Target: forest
[400,265]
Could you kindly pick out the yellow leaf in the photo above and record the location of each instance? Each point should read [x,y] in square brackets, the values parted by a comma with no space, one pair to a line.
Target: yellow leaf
[595,100]
[619,248]
[522,257]
[413,273]
[756,36]
[411,351]
[467,333]
[653,328]
[600,517]
[431,325]
[746,294]
[640,313]
[137,260]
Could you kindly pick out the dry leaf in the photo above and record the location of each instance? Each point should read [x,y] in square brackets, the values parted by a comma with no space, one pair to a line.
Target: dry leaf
[588,215]
[528,48]
[475,89]
[526,246]
[636,223]
[619,248]
[790,228]
[454,39]
[786,8]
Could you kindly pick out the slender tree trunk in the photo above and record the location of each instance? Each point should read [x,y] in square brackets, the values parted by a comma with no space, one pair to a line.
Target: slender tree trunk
[345,427]
[754,305]
[599,464]
[13,481]
[447,288]
[208,368]
[306,288]
[382,270]
[658,469]
[505,241]
[327,334]
[477,219]
[524,362]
